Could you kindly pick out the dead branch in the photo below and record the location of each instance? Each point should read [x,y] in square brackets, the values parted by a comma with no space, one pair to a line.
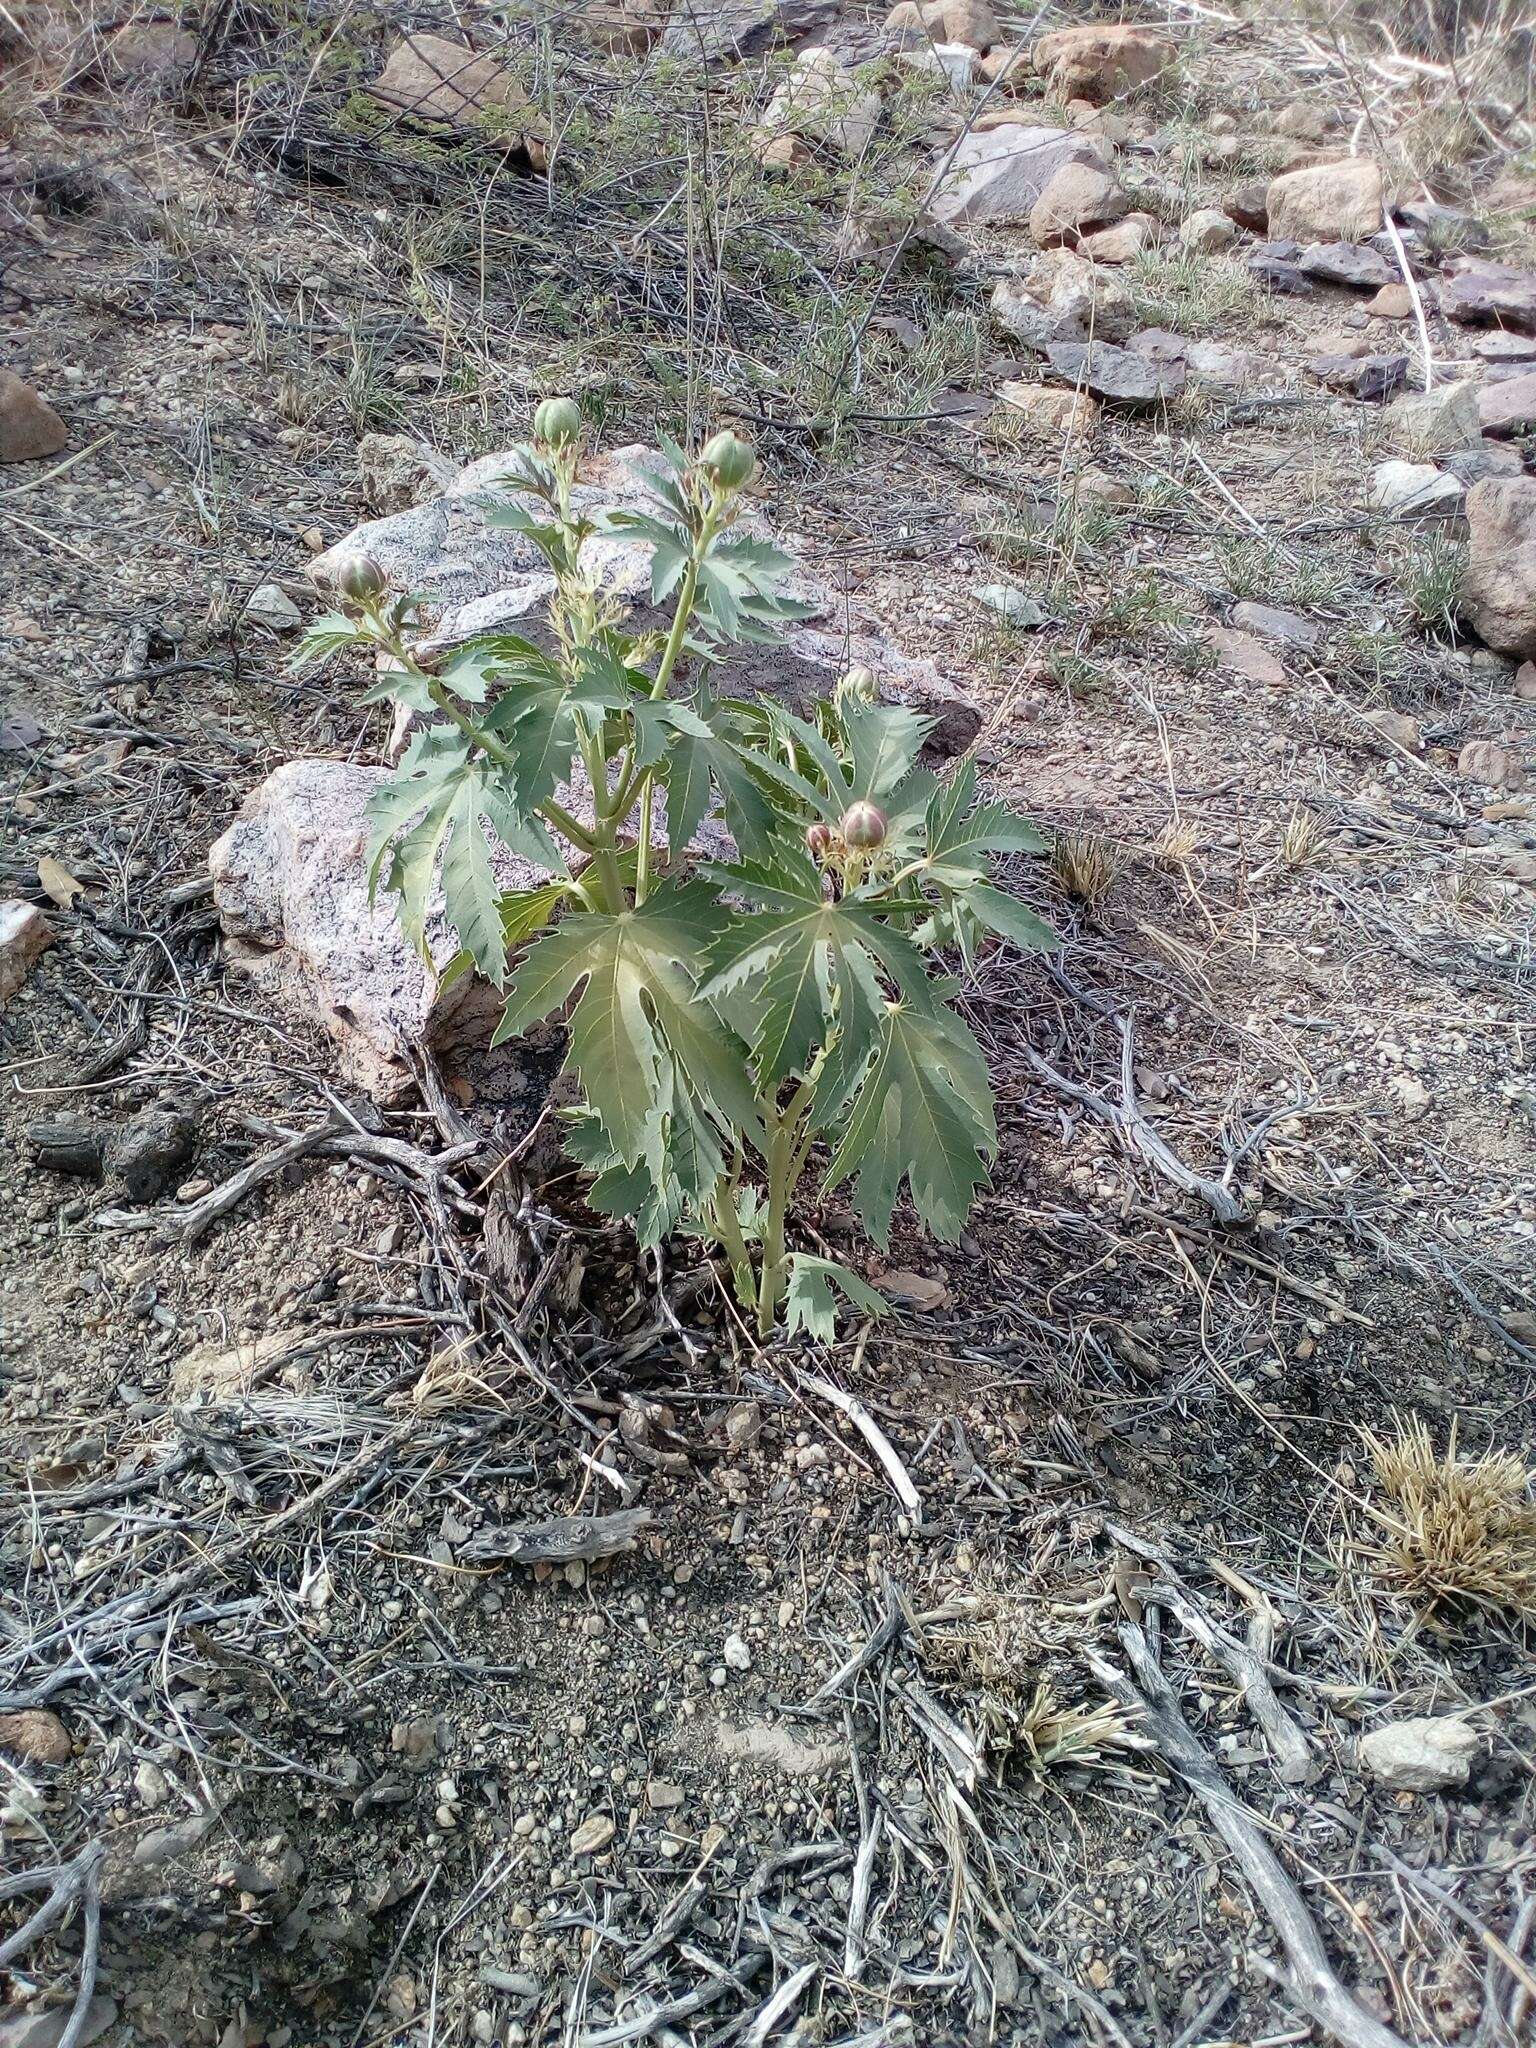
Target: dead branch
[1312,1981]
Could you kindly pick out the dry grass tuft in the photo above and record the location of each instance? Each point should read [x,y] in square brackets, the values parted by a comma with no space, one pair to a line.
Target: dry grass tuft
[1304,840]
[1085,866]
[1461,1532]
[984,1664]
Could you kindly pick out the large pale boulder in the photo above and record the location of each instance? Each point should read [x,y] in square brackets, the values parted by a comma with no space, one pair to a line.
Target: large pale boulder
[290,884]
[1499,587]
[999,176]
[821,100]
[440,83]
[472,577]
[1336,202]
[1508,407]
[970,22]
[1093,63]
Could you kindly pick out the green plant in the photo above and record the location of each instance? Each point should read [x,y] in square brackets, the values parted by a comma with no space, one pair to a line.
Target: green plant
[734,1017]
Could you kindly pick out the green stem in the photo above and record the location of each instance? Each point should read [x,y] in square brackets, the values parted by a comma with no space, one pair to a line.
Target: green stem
[783,1172]
[708,528]
[728,1229]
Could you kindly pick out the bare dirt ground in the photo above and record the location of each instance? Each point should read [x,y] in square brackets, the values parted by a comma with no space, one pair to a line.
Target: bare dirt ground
[811,1761]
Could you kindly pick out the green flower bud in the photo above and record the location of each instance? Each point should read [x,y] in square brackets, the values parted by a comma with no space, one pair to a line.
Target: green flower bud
[727,460]
[864,826]
[557,422]
[818,841]
[358,577]
[859,686]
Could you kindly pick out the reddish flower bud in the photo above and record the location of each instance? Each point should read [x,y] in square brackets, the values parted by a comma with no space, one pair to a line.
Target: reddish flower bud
[359,577]
[864,826]
[818,841]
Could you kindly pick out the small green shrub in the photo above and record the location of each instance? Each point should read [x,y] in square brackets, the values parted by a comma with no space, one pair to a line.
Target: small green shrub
[736,1023]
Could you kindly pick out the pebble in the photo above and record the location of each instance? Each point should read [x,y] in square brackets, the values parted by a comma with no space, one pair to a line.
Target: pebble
[594,1834]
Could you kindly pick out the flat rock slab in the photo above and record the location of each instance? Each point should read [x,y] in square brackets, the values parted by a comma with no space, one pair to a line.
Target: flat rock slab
[1288,629]
[475,578]
[1491,294]
[1116,374]
[1509,407]
[1351,263]
[1368,377]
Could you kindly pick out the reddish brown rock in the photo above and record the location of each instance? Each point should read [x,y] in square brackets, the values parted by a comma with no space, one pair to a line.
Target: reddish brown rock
[29,426]
[1093,63]
[36,1736]
[1337,202]
[1498,591]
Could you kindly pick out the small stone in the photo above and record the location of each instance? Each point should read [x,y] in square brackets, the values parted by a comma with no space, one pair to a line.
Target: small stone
[1525,682]
[29,427]
[1499,586]
[1079,198]
[970,22]
[1508,408]
[1208,231]
[1351,263]
[1411,490]
[1337,202]
[269,605]
[737,1656]
[36,1736]
[1289,629]
[661,1796]
[1243,655]
[1428,1755]
[1048,409]
[1495,766]
[1392,302]
[1116,373]
[25,935]
[594,1833]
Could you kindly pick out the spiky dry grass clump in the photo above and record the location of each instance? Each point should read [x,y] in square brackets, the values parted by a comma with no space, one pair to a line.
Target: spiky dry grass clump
[988,1669]
[1460,1532]
[1085,866]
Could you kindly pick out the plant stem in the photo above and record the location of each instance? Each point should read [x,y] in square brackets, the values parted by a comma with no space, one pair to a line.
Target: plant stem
[785,1161]
[728,1230]
[708,527]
